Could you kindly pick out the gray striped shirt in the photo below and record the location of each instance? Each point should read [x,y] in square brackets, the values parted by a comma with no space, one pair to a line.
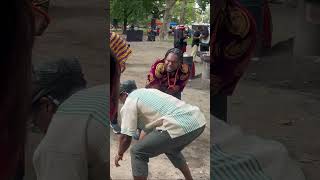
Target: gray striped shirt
[88,102]
[150,108]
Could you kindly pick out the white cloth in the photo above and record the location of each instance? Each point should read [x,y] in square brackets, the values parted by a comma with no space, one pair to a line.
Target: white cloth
[194,51]
[150,108]
[74,148]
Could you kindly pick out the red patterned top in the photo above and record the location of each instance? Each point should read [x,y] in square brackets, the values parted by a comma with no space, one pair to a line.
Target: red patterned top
[232,45]
[170,83]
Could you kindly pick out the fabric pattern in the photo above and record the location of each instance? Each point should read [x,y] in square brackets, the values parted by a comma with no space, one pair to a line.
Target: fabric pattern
[41,7]
[92,102]
[232,44]
[237,167]
[119,48]
[159,76]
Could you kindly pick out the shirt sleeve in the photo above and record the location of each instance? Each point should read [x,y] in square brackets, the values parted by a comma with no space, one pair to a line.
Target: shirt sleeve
[129,117]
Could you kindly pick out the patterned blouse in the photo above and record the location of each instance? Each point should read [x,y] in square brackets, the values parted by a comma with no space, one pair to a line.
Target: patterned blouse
[158,76]
[232,45]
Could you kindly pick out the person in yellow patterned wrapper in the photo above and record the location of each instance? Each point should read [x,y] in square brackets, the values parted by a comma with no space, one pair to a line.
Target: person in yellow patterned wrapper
[120,49]
[120,52]
[169,74]
[233,42]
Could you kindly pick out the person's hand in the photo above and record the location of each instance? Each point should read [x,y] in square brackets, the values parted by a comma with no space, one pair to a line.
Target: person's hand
[173,89]
[117,159]
[123,67]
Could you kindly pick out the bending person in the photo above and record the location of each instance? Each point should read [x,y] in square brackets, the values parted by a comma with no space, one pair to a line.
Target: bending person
[170,124]
[75,123]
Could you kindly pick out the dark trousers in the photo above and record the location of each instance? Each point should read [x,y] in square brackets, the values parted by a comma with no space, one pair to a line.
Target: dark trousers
[218,106]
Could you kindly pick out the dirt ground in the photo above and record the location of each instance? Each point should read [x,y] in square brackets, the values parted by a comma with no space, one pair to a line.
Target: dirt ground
[278,98]
[197,153]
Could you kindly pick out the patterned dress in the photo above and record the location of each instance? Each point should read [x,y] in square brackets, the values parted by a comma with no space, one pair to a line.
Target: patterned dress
[42,7]
[159,77]
[261,13]
[232,45]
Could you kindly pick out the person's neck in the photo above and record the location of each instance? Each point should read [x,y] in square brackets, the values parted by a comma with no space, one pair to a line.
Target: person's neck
[172,72]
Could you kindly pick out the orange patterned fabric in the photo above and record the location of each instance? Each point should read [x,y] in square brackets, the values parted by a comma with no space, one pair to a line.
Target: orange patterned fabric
[119,48]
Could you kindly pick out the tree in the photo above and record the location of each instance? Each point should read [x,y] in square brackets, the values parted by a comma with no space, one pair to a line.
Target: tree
[155,8]
[183,11]
[128,11]
[203,4]
[166,17]
[185,14]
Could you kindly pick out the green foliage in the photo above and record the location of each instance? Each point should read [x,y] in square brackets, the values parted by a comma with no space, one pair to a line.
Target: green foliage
[130,10]
[140,12]
[203,4]
[192,14]
[154,8]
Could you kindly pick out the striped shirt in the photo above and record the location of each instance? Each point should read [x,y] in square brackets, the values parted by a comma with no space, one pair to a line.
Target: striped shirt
[88,102]
[75,146]
[150,108]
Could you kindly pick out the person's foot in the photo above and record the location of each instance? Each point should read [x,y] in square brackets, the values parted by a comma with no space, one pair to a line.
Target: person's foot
[115,128]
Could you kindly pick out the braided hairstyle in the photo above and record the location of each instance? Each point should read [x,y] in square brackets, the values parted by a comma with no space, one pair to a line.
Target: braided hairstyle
[177,52]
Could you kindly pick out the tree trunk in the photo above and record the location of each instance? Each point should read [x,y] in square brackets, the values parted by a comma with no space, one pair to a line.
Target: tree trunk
[183,11]
[125,23]
[166,18]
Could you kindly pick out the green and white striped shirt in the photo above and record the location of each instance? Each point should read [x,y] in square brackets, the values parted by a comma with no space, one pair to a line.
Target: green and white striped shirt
[88,102]
[150,108]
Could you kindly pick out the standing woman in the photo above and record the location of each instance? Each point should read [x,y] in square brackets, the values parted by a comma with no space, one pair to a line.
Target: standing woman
[15,69]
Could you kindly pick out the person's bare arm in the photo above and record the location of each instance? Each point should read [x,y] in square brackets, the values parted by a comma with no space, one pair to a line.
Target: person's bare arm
[124,144]
[142,135]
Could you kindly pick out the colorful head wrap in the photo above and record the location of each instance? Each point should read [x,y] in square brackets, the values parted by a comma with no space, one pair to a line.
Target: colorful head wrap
[119,48]
[41,7]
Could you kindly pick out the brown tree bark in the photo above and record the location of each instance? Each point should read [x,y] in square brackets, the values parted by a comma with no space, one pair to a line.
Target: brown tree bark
[183,11]
[166,18]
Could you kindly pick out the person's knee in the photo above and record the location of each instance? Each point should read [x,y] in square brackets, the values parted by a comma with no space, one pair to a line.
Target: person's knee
[136,150]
